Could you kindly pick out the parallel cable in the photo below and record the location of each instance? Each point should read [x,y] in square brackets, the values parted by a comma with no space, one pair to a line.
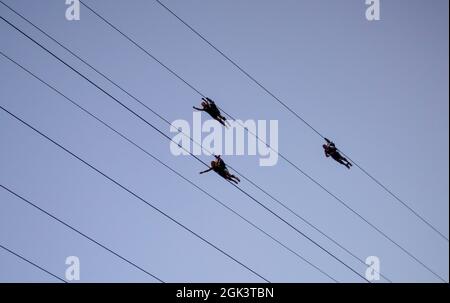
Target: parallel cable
[166,166]
[81,233]
[304,173]
[396,197]
[385,188]
[32,263]
[300,232]
[183,133]
[133,194]
[133,112]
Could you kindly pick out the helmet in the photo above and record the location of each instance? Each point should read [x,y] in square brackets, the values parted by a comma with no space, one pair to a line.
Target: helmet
[213,163]
[324,146]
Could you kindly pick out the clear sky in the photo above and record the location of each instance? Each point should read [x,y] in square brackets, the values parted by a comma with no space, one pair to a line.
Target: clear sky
[378,89]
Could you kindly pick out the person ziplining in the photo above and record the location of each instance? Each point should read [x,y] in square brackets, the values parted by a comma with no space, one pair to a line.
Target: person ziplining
[221,169]
[210,107]
[330,149]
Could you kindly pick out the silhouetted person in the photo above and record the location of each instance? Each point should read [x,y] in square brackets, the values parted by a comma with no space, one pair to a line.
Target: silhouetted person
[210,107]
[331,150]
[220,168]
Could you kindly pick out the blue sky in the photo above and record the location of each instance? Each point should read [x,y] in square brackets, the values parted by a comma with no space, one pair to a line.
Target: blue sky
[378,89]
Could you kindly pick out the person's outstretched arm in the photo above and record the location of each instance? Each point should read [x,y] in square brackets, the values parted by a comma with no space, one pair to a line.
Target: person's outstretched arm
[206,171]
[199,109]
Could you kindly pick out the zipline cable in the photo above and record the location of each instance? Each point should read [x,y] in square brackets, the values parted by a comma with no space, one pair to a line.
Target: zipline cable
[239,67]
[32,263]
[183,133]
[145,121]
[80,233]
[133,194]
[304,173]
[167,166]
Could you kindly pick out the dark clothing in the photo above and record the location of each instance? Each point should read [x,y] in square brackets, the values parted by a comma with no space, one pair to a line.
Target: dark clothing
[213,113]
[222,172]
[220,168]
[213,110]
[336,156]
[221,164]
[331,150]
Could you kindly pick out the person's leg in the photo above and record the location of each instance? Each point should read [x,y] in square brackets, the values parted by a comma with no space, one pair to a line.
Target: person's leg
[348,162]
[345,162]
[338,158]
[233,176]
[224,174]
[342,162]
[225,121]
[234,181]
[219,120]
[229,177]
